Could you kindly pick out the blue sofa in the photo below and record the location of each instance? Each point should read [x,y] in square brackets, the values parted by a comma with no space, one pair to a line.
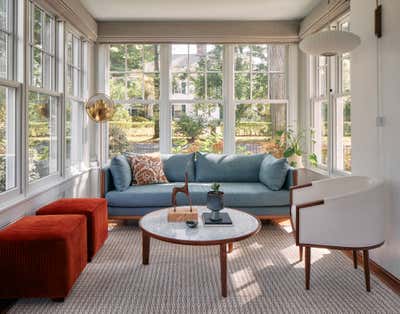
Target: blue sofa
[239,175]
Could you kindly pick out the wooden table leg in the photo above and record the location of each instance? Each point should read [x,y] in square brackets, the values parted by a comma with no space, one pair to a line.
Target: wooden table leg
[145,248]
[366,270]
[230,247]
[223,260]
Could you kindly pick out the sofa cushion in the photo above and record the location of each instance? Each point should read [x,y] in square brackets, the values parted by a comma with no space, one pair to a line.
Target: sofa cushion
[121,173]
[273,172]
[236,195]
[175,166]
[228,168]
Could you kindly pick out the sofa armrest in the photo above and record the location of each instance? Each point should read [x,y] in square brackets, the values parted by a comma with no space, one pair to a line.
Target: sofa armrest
[106,179]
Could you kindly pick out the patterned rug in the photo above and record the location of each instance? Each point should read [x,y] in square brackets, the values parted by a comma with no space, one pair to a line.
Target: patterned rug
[264,277]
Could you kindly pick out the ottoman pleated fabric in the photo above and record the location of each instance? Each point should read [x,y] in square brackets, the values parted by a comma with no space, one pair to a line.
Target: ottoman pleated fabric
[95,211]
[42,256]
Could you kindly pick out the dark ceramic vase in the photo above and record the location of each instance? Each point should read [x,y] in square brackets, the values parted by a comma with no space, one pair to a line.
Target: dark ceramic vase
[215,202]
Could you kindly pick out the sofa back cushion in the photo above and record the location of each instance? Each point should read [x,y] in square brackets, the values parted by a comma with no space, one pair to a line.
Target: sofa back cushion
[228,168]
[175,166]
[273,172]
[121,173]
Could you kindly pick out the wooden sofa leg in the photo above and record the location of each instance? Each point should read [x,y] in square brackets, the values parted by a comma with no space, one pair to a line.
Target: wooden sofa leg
[308,266]
[355,258]
[301,253]
[366,270]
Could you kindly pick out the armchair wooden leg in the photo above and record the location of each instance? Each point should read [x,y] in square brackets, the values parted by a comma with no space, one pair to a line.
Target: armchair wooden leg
[308,266]
[355,258]
[301,252]
[366,270]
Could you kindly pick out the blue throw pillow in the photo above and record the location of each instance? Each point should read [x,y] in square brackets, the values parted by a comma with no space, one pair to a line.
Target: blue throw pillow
[176,165]
[121,173]
[273,172]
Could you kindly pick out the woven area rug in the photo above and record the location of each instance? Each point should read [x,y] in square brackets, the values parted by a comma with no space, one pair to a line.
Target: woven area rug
[264,277]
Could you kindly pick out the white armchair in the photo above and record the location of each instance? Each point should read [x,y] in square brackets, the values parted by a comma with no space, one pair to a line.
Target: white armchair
[345,213]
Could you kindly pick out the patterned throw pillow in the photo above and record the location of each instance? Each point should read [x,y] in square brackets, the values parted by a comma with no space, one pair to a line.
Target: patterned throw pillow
[147,169]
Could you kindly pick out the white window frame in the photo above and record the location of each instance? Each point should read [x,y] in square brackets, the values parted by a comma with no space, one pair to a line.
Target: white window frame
[76,162]
[13,165]
[334,91]
[228,100]
[54,91]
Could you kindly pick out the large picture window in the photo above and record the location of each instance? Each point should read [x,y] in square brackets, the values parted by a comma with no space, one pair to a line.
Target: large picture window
[260,94]
[191,90]
[331,109]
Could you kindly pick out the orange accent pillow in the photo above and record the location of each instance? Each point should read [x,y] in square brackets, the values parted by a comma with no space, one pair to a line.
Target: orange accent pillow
[147,169]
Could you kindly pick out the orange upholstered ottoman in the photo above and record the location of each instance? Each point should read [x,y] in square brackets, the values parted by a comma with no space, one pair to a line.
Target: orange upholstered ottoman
[42,256]
[95,210]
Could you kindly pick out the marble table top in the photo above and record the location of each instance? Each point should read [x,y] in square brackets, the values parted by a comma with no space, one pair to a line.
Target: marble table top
[243,226]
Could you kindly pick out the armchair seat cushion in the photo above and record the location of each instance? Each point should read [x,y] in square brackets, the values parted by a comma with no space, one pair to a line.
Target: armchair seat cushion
[236,195]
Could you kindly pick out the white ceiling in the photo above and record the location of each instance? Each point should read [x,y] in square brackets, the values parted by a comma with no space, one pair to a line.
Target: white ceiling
[114,10]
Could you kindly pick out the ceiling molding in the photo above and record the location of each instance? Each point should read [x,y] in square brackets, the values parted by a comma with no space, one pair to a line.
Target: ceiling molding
[199,32]
[74,13]
[322,15]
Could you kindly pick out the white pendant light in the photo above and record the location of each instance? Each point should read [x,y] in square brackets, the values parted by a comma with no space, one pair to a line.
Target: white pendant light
[329,43]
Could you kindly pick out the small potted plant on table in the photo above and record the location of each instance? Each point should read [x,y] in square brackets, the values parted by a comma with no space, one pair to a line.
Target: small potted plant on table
[215,201]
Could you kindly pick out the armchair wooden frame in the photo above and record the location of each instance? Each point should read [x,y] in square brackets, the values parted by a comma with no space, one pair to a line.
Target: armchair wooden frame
[307,246]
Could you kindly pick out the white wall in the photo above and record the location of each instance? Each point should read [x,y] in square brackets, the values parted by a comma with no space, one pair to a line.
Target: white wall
[376,150]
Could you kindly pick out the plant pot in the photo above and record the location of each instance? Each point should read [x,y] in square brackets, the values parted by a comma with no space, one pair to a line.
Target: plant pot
[297,160]
[215,202]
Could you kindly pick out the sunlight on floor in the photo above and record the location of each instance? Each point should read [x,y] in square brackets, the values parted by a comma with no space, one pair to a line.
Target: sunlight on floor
[245,282]
[291,253]
[265,264]
[255,246]
[242,278]
[286,225]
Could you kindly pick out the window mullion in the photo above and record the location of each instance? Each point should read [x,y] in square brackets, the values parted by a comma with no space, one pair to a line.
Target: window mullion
[164,104]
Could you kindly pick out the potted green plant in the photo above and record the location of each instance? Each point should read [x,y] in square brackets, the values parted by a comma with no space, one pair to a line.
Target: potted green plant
[292,144]
[215,201]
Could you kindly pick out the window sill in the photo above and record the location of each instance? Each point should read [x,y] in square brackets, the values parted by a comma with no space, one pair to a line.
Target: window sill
[39,190]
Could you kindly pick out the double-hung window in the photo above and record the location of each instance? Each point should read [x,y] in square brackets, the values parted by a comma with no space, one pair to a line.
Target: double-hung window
[134,83]
[260,97]
[76,77]
[43,98]
[10,128]
[331,108]
[196,102]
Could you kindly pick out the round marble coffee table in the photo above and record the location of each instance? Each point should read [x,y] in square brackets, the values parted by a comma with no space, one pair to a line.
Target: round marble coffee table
[155,225]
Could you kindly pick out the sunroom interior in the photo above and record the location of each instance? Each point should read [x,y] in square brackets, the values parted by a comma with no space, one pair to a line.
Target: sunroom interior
[186,78]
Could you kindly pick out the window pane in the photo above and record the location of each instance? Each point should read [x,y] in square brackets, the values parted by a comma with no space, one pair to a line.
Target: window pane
[152,86]
[4,11]
[3,55]
[259,58]
[343,133]
[151,58]
[259,86]
[242,86]
[118,90]
[48,33]
[37,67]
[135,86]
[345,73]
[134,57]
[7,139]
[322,80]
[180,58]
[214,86]
[258,128]
[42,139]
[320,133]
[48,81]
[134,128]
[73,135]
[197,127]
[215,57]
[117,58]
[242,58]
[37,27]
[197,58]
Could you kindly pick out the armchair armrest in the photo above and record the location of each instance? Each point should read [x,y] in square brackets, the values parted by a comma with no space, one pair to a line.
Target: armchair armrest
[353,220]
